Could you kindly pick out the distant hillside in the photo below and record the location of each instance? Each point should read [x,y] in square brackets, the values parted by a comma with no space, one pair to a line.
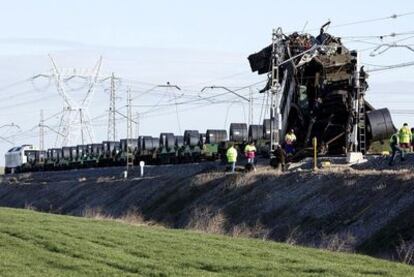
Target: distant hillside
[39,244]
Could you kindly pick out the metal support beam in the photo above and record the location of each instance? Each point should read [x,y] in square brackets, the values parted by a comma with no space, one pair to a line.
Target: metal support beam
[275,91]
[41,132]
[111,134]
[130,158]
[251,109]
[137,124]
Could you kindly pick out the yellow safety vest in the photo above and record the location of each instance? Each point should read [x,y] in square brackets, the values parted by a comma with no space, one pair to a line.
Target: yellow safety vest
[289,138]
[405,135]
[231,155]
[250,148]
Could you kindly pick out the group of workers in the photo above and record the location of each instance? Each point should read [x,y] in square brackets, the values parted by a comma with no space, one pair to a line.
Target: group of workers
[250,152]
[401,142]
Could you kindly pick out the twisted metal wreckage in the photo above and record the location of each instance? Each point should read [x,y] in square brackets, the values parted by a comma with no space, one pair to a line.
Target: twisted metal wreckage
[317,88]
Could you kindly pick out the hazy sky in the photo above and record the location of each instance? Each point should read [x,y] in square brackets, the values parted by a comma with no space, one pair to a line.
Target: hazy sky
[190,43]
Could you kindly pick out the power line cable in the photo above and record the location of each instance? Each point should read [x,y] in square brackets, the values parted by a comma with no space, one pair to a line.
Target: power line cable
[391,67]
[14,84]
[364,21]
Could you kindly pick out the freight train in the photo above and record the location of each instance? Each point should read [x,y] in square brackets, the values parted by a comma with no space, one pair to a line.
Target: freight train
[168,148]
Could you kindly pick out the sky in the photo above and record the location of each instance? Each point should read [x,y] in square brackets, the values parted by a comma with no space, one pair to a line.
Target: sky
[189,43]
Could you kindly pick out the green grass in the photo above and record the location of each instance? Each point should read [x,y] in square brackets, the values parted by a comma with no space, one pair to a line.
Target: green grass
[38,244]
[378,147]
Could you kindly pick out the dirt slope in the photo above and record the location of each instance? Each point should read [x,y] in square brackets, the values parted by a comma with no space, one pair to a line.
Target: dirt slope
[364,210]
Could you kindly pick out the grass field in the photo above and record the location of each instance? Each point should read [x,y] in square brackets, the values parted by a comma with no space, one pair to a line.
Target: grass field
[38,244]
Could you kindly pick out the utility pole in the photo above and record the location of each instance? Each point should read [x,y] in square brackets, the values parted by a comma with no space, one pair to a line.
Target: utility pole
[275,91]
[137,124]
[81,127]
[250,106]
[41,132]
[130,158]
[129,114]
[111,112]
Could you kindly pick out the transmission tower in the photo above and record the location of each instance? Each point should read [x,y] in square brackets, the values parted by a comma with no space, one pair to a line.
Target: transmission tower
[112,111]
[75,119]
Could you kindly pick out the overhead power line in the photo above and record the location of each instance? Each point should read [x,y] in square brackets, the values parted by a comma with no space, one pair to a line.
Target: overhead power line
[14,84]
[382,36]
[388,67]
[365,21]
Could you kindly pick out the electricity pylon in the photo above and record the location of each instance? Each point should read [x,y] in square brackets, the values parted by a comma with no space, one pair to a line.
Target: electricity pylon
[75,119]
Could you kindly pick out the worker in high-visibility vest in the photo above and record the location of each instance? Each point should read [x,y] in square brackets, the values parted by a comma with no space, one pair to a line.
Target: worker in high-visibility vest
[231,155]
[405,137]
[395,148]
[290,140]
[250,153]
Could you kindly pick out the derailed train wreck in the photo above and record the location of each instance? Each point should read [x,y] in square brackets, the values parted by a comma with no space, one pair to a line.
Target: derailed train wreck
[318,89]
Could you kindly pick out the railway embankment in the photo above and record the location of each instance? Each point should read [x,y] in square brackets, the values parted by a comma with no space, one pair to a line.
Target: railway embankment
[367,208]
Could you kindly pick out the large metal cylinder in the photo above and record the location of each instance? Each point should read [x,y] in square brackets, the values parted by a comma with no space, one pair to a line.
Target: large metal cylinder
[89,149]
[216,136]
[66,152]
[132,143]
[191,137]
[97,149]
[238,132]
[179,141]
[56,153]
[167,140]
[150,143]
[73,152]
[141,142]
[379,125]
[81,149]
[110,146]
[255,132]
